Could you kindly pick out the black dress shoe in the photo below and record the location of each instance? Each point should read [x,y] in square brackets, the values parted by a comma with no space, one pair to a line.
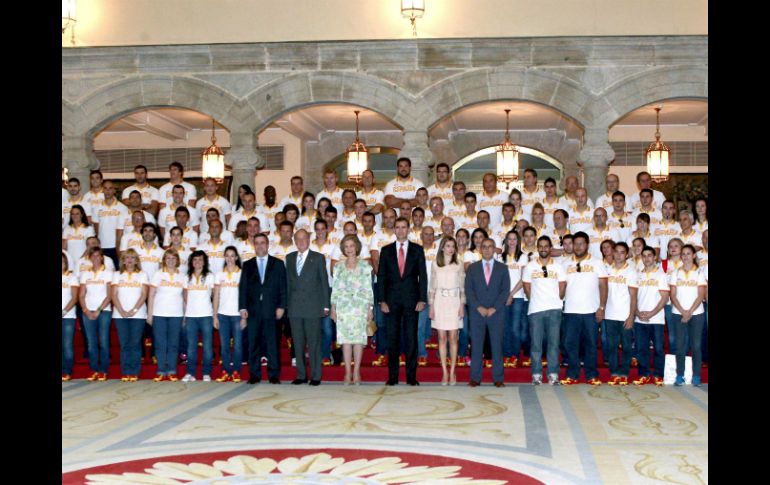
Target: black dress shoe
[275,380]
[391,382]
[473,383]
[297,382]
[499,384]
[413,382]
[315,383]
[254,380]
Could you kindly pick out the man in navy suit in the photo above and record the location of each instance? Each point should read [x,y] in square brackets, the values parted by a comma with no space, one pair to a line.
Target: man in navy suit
[402,284]
[487,285]
[262,301]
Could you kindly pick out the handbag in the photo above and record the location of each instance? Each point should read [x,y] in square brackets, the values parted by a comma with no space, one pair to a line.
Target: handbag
[371,328]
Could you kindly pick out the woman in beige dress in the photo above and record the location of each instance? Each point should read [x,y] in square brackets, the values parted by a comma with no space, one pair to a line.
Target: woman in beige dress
[447,302]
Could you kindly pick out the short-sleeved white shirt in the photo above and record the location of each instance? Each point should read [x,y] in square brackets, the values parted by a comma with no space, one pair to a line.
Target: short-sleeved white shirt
[268,213]
[434,190]
[633,202]
[493,204]
[543,291]
[166,197]
[327,249]
[687,283]
[550,207]
[403,189]
[430,258]
[97,287]
[228,292]
[650,239]
[655,216]
[241,215]
[605,200]
[556,239]
[515,268]
[189,237]
[701,226]
[280,252]
[615,222]
[227,237]
[76,238]
[167,217]
[619,280]
[94,199]
[703,258]
[128,225]
[64,196]
[169,301]
[68,206]
[216,254]
[528,199]
[344,216]
[469,223]
[84,265]
[580,221]
[582,295]
[150,258]
[572,204]
[291,200]
[472,256]
[376,196]
[307,221]
[665,231]
[595,238]
[199,292]
[455,211]
[219,203]
[130,286]
[110,219]
[335,196]
[149,193]
[69,280]
[246,249]
[650,285]
[695,238]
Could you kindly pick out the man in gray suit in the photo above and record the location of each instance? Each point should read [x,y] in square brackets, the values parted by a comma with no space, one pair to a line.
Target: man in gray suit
[487,285]
[309,301]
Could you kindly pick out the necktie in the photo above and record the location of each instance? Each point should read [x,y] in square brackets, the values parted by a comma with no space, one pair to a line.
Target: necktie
[261,270]
[487,271]
[300,262]
[401,260]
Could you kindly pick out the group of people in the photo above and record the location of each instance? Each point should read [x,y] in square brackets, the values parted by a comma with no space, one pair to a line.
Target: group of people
[510,275]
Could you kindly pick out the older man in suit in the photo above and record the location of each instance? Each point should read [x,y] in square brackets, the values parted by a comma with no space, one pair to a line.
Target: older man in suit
[487,285]
[402,283]
[309,301]
[262,301]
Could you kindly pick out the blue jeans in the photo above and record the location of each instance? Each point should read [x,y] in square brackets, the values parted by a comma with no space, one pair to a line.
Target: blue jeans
[581,327]
[672,344]
[327,335]
[423,331]
[98,332]
[204,325]
[516,331]
[617,335]
[130,336]
[230,327]
[644,332]
[167,331]
[67,350]
[546,323]
[693,329]
[705,342]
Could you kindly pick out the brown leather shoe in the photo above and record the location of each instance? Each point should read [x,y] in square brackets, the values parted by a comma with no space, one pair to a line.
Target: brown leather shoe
[473,383]
[499,384]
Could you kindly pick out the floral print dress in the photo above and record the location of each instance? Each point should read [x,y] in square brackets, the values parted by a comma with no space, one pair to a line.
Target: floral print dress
[352,296]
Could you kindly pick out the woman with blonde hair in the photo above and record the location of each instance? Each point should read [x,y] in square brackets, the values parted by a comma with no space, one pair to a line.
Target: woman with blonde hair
[69,298]
[130,287]
[165,312]
[97,313]
[446,299]
[352,303]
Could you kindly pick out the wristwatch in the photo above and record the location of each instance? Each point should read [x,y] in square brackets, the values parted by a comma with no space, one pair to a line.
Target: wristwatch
[601,308]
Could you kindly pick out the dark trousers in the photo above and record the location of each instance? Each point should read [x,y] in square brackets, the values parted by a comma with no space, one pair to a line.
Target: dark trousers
[262,340]
[644,333]
[581,327]
[617,334]
[691,331]
[479,326]
[399,315]
[307,331]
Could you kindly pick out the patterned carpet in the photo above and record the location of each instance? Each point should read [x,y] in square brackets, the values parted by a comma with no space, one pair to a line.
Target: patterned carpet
[209,433]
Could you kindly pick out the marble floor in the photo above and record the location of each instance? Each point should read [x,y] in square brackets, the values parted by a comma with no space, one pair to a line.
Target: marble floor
[169,433]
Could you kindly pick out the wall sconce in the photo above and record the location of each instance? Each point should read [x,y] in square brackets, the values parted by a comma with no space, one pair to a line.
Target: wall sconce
[68,18]
[413,10]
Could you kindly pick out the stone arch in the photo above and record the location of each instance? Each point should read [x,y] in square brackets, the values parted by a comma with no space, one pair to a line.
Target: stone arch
[295,91]
[649,87]
[116,100]
[534,85]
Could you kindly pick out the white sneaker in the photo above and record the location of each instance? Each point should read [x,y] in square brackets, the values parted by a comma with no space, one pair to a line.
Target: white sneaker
[553,379]
[263,361]
[207,378]
[537,380]
[294,362]
[188,378]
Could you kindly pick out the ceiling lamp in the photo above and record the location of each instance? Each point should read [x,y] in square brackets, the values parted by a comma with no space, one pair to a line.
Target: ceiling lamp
[658,154]
[214,160]
[68,18]
[507,157]
[413,10]
[357,158]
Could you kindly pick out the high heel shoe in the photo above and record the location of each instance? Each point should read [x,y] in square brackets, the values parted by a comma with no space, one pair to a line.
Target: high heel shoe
[452,380]
[346,382]
[444,380]
[357,381]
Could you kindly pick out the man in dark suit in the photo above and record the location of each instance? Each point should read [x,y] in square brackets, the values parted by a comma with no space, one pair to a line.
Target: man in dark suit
[402,283]
[487,285]
[309,301]
[262,301]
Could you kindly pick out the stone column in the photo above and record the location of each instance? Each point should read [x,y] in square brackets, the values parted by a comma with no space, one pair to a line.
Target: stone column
[79,159]
[596,156]
[244,159]
[416,149]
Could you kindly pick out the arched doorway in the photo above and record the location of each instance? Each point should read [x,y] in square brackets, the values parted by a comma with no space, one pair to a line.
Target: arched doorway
[471,168]
[382,161]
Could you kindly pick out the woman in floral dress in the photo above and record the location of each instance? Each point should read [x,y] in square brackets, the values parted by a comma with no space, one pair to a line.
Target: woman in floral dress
[352,301]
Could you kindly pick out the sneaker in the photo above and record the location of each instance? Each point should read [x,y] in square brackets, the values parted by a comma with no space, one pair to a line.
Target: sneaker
[623,381]
[124,379]
[488,364]
[206,378]
[148,342]
[614,381]
[553,379]
[509,362]
[401,361]
[224,377]
[172,377]
[154,360]
[263,361]
[569,381]
[236,377]
[65,377]
[527,362]
[537,380]
[696,381]
[133,378]
[595,382]
[379,361]
[93,377]
[160,377]
[643,380]
[422,361]
[188,378]
[659,381]
[326,362]
[679,380]
[293,362]
[431,345]
[102,377]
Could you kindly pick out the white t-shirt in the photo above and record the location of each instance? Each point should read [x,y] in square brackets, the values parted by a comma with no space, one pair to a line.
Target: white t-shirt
[469,223]
[76,238]
[184,257]
[650,239]
[376,196]
[655,216]
[528,199]
[129,226]
[84,265]
[556,239]
[551,207]
[572,204]
[268,213]
[149,193]
[280,252]
[650,285]
[169,301]
[307,221]
[403,189]
[544,291]
[687,283]
[430,257]
[68,281]
[130,286]
[327,249]
[94,199]
[64,196]
[71,266]
[67,206]
[595,238]
[618,297]
[167,217]
[227,237]
[515,269]
[493,204]
[615,222]
[695,238]
[97,287]
[499,232]
[455,211]
[189,238]
[703,258]
[228,292]
[241,215]
[199,293]
[665,232]
[472,256]
[605,200]
[150,258]
[701,226]
[580,221]
[582,295]
[166,196]
[216,254]
[434,190]
[335,196]
[246,249]
[344,216]
[203,205]
[657,200]
[291,200]
[110,219]
[384,239]
[372,240]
